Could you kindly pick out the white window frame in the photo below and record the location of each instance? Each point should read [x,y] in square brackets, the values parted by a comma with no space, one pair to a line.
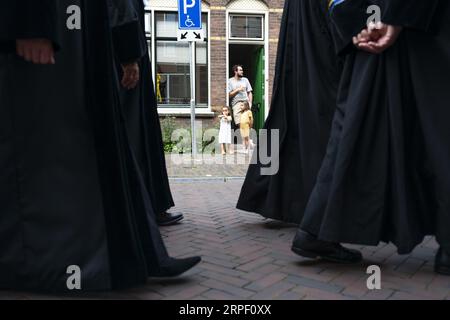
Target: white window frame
[263,18]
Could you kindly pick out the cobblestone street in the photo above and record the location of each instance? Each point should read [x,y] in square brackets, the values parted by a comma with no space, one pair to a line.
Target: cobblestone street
[248,257]
[208,166]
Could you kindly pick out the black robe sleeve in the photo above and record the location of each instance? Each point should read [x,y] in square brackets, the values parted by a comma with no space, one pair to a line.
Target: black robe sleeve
[348,18]
[28,19]
[414,14]
[7,9]
[129,42]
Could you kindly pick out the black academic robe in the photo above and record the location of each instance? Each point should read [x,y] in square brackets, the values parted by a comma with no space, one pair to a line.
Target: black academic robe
[70,188]
[304,99]
[139,105]
[429,61]
[374,182]
[24,23]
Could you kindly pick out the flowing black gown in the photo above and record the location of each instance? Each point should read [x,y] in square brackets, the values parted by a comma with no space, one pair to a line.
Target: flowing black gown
[429,61]
[376,181]
[70,185]
[304,100]
[139,105]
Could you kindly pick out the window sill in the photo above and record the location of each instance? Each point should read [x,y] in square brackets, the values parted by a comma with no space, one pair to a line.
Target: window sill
[185,112]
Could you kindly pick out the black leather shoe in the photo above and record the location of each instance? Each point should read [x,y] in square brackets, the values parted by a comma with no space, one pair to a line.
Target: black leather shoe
[168,219]
[308,246]
[175,267]
[442,262]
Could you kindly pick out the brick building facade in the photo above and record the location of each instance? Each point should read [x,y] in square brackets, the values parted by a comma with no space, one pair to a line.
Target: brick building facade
[237,32]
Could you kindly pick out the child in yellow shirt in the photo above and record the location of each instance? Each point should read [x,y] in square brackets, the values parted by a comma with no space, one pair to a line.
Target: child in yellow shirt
[246,125]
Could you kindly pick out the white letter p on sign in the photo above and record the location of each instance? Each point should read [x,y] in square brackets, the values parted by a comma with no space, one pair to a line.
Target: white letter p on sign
[190,5]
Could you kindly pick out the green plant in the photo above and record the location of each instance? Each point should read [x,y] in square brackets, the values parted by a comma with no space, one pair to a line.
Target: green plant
[168,125]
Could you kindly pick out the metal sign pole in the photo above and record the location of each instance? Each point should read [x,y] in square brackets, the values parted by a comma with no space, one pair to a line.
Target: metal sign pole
[190,30]
[193,132]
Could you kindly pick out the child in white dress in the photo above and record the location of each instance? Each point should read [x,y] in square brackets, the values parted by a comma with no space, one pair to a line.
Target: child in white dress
[225,131]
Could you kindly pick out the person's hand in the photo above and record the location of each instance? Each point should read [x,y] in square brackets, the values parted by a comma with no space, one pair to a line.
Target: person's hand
[363,37]
[131,75]
[377,38]
[243,88]
[37,51]
[373,32]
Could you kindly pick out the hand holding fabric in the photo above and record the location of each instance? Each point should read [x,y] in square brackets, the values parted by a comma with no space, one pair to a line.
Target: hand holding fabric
[37,51]
[377,38]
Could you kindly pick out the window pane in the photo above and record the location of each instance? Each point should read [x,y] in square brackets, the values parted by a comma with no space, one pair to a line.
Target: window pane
[254,27]
[238,27]
[172,73]
[148,31]
[172,64]
[202,73]
[246,27]
[148,24]
[166,25]
[205,24]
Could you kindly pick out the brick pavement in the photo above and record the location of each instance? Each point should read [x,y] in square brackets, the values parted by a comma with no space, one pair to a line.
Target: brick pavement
[247,257]
[207,166]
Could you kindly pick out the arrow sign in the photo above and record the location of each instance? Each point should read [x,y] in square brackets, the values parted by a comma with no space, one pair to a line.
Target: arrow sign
[191,35]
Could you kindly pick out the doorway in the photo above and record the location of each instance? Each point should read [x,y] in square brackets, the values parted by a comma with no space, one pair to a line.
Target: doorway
[252,58]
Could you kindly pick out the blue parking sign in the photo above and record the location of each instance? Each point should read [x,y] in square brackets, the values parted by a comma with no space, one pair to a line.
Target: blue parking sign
[189,14]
